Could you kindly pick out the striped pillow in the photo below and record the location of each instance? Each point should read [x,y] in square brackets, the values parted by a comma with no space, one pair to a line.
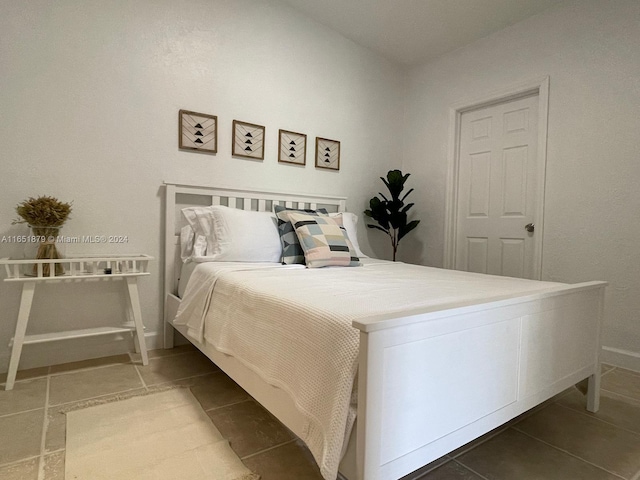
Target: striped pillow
[323,240]
[292,252]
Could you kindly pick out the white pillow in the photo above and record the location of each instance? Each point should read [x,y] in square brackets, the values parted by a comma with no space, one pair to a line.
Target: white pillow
[200,219]
[235,235]
[350,223]
[191,244]
[187,236]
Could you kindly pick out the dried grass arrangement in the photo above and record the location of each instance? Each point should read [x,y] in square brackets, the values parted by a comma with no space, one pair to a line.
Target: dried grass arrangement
[45,215]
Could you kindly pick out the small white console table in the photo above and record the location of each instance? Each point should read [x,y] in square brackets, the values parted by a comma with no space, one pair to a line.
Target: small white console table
[105,267]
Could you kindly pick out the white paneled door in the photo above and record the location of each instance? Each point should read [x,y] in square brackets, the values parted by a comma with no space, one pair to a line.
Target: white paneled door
[498,189]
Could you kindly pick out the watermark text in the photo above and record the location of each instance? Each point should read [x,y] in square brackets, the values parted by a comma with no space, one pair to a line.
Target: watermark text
[64,239]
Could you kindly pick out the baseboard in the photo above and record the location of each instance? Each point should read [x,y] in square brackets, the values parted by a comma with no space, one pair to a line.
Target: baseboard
[55,353]
[620,358]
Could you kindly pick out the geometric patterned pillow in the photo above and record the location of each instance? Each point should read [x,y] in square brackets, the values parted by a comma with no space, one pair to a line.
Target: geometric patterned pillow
[324,240]
[292,252]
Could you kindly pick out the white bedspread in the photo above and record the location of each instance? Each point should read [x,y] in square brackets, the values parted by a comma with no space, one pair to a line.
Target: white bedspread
[293,326]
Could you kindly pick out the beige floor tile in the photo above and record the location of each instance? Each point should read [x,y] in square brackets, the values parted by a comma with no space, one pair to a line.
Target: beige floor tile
[612,448]
[618,410]
[451,470]
[27,374]
[515,456]
[501,428]
[56,435]
[287,462]
[71,387]
[27,470]
[91,363]
[54,466]
[26,395]
[419,474]
[21,434]
[476,442]
[217,390]
[623,382]
[167,352]
[164,352]
[166,369]
[249,427]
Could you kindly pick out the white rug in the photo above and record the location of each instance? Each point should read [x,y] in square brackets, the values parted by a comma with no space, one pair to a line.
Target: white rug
[158,436]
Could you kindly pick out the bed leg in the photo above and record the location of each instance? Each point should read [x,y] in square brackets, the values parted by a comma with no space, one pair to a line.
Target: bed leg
[593,392]
[168,335]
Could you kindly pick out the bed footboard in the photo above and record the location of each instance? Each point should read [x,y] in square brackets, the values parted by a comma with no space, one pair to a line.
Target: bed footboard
[431,382]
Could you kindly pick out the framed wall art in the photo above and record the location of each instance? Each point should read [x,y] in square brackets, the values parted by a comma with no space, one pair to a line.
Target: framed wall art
[327,153]
[292,147]
[197,131]
[248,140]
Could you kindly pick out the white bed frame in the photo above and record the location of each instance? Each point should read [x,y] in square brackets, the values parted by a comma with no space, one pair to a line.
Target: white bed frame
[432,380]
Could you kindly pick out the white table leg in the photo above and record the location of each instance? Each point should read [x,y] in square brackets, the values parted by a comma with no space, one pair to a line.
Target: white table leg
[26,299]
[134,299]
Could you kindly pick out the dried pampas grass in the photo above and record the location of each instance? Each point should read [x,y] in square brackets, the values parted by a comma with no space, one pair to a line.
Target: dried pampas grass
[43,211]
[45,215]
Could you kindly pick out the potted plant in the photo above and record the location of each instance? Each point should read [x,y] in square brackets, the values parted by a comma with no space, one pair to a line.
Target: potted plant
[391,214]
[45,216]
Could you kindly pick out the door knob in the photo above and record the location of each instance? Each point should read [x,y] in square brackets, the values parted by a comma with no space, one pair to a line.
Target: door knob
[530,227]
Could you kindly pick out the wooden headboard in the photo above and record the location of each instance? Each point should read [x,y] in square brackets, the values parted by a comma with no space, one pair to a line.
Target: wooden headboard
[179,196]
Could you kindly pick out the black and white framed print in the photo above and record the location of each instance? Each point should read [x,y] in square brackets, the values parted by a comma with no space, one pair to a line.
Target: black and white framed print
[292,147]
[327,153]
[248,140]
[197,131]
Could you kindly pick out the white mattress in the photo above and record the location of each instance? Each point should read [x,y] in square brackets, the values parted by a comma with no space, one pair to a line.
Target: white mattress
[293,326]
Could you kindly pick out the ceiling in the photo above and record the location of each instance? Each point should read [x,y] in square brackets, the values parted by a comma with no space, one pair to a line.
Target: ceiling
[412,32]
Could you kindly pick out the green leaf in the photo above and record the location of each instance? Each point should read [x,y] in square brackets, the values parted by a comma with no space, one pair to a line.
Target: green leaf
[379,228]
[406,208]
[407,228]
[407,194]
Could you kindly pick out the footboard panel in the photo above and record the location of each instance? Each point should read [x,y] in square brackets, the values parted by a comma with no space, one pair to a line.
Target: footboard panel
[431,382]
[558,342]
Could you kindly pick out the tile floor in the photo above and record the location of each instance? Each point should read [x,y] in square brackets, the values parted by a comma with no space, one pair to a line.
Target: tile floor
[558,441]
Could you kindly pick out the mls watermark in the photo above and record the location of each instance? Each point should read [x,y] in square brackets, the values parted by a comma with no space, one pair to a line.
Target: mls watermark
[64,239]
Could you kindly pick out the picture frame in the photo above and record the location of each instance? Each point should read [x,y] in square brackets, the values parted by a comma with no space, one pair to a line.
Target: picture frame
[248,140]
[197,131]
[292,147]
[327,153]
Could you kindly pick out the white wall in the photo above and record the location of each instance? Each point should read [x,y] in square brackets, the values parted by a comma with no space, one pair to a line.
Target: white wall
[90,93]
[590,50]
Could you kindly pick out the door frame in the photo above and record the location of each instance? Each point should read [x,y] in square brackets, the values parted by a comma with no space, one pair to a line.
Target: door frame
[538,87]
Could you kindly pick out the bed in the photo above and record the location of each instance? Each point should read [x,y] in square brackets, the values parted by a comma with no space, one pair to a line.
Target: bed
[427,375]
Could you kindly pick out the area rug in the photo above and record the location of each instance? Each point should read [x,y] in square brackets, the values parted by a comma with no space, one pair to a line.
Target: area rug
[163,435]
